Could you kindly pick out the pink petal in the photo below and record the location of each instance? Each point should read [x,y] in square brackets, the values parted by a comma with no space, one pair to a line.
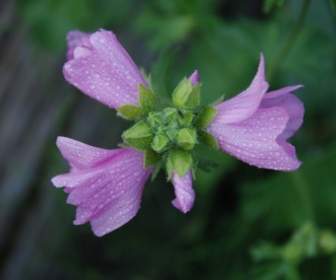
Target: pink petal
[184,192]
[107,193]
[77,39]
[194,78]
[245,104]
[80,155]
[256,140]
[293,106]
[103,70]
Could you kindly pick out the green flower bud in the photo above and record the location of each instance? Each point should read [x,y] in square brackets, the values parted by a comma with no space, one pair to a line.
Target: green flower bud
[182,93]
[138,136]
[179,161]
[170,117]
[194,99]
[186,119]
[186,138]
[160,143]
[154,119]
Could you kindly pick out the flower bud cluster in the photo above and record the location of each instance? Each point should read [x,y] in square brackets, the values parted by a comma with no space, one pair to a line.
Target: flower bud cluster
[168,134]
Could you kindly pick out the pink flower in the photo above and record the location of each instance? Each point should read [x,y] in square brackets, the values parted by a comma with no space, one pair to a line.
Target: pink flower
[255,125]
[106,186]
[102,69]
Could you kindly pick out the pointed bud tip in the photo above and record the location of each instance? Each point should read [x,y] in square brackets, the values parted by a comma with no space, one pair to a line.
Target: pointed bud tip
[194,78]
[261,67]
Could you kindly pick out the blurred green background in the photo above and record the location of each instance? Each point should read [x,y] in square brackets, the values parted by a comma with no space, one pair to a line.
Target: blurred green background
[247,223]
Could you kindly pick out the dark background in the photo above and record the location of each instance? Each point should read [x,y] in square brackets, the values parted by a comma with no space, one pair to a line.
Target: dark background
[246,223]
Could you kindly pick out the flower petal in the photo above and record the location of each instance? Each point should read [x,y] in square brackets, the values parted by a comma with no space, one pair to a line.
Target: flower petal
[245,104]
[194,78]
[76,39]
[80,155]
[256,140]
[293,106]
[184,192]
[107,193]
[103,70]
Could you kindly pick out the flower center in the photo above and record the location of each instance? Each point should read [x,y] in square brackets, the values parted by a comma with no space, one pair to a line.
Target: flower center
[172,128]
[167,136]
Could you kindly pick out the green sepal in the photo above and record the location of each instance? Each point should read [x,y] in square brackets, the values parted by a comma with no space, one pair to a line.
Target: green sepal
[171,133]
[186,138]
[130,112]
[154,119]
[178,161]
[205,117]
[138,136]
[194,99]
[156,170]
[170,115]
[182,92]
[208,139]
[186,119]
[160,143]
[151,158]
[147,99]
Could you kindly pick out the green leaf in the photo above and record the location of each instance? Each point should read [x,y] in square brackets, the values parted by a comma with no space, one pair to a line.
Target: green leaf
[304,201]
[333,5]
[208,139]
[206,117]
[186,138]
[130,112]
[269,5]
[147,99]
[327,241]
[179,161]
[138,136]
[151,158]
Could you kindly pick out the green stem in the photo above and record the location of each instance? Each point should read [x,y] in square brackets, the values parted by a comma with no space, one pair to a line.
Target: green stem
[302,188]
[292,38]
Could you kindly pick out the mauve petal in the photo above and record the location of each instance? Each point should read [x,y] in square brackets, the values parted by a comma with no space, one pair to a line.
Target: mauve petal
[294,107]
[108,46]
[76,39]
[256,140]
[80,155]
[104,71]
[244,105]
[194,78]
[184,192]
[107,193]
[120,199]
[72,179]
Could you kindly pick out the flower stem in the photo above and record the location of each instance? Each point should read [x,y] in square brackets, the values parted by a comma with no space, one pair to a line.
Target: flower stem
[302,188]
[292,38]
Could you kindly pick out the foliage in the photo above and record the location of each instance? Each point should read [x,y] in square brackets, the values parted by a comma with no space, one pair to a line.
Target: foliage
[246,222]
